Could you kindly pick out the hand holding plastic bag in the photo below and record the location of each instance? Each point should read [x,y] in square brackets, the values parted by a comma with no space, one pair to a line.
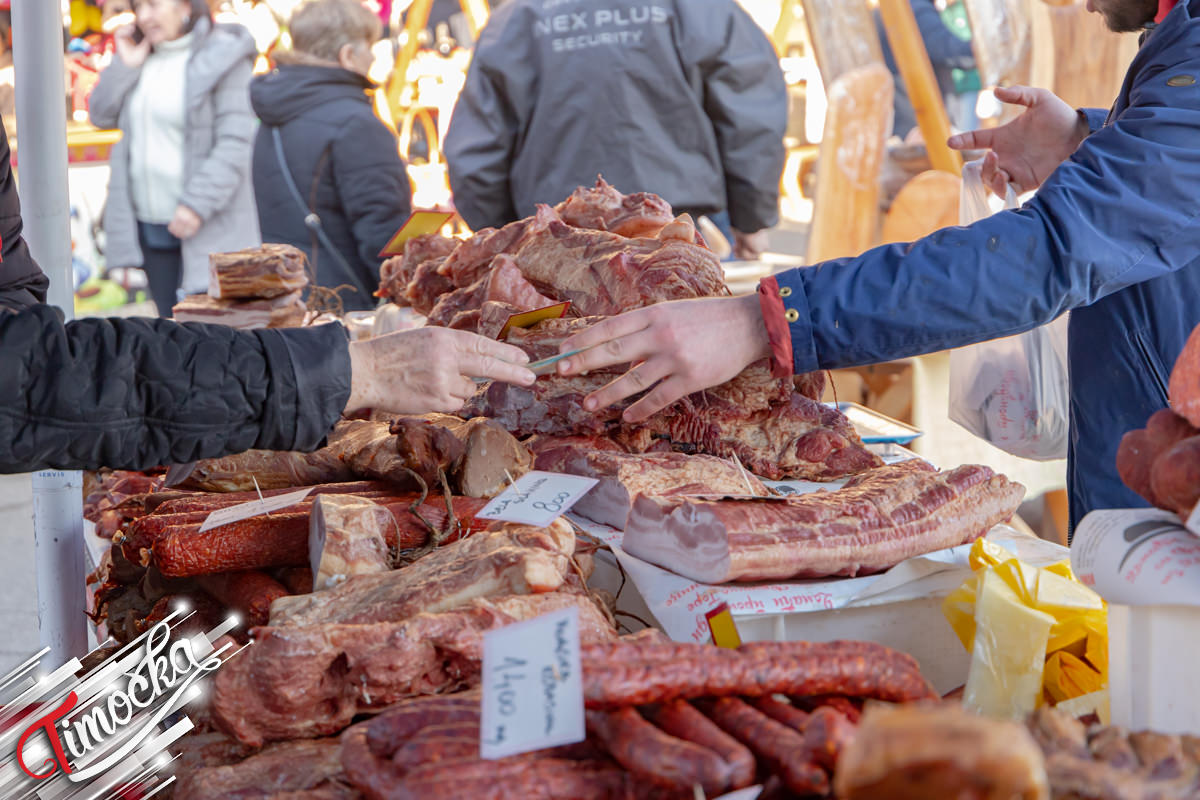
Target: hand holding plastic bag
[1011,392]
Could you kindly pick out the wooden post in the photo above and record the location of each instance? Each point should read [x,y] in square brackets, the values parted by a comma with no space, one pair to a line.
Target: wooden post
[917,72]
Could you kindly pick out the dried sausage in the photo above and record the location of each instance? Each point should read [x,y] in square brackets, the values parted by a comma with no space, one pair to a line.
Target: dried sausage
[778,746]
[655,756]
[680,718]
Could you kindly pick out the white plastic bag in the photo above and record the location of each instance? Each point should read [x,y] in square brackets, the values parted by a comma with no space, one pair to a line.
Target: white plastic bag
[1011,392]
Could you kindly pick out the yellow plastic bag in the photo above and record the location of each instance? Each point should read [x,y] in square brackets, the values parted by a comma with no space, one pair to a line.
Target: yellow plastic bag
[1033,633]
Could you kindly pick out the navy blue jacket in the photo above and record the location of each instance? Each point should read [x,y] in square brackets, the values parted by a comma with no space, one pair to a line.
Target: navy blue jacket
[344,161]
[1113,234]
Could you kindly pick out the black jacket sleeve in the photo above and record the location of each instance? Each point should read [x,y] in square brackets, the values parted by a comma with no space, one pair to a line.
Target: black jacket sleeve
[135,393]
[22,282]
[746,98]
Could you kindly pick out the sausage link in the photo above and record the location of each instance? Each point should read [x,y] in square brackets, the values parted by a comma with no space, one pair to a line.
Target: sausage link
[851,709]
[780,748]
[250,592]
[827,734]
[390,730]
[656,756]
[785,713]
[681,719]
[624,674]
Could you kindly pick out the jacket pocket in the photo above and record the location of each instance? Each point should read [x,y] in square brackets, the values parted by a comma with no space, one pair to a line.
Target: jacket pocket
[1152,364]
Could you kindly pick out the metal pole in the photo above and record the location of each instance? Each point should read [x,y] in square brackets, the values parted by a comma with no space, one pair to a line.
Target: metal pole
[46,211]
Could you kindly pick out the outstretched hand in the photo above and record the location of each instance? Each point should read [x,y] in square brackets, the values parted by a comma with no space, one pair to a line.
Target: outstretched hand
[1025,151]
[676,348]
[429,369]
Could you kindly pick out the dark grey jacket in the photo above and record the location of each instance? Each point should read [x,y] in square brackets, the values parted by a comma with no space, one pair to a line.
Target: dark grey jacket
[22,281]
[684,98]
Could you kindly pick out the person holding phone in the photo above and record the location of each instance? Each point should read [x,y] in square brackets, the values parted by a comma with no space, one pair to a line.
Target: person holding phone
[180,187]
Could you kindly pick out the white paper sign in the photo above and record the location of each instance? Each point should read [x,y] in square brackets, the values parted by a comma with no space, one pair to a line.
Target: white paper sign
[253,508]
[1138,557]
[538,498]
[532,686]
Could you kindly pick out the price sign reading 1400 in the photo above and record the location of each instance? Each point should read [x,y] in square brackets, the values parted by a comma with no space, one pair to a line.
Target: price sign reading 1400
[532,686]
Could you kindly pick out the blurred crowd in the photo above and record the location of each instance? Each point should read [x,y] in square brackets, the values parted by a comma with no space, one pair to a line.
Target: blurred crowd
[245,121]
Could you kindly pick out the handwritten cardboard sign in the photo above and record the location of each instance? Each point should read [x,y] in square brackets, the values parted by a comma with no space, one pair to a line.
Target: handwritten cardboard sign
[419,224]
[537,498]
[253,508]
[532,686]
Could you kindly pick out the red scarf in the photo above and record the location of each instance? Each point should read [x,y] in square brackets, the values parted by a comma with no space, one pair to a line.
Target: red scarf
[1164,8]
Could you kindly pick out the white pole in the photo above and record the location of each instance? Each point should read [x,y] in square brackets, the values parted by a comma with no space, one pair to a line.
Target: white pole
[46,211]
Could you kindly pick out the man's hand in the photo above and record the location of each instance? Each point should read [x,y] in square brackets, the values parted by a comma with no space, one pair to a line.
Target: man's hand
[749,246]
[1025,151]
[132,54]
[185,224]
[428,369]
[677,348]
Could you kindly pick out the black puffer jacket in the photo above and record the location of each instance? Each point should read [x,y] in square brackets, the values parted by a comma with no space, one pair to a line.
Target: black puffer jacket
[22,282]
[133,393]
[345,163]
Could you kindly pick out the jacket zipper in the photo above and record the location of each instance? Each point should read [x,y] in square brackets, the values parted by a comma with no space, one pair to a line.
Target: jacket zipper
[1151,364]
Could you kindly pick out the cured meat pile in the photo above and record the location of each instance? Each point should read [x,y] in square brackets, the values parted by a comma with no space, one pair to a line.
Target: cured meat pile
[662,719]
[607,253]
[766,423]
[877,520]
[1161,462]
[914,752]
[474,456]
[105,494]
[262,287]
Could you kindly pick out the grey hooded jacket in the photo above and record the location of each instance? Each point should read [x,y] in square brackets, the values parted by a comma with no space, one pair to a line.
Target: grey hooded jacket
[218,135]
[683,98]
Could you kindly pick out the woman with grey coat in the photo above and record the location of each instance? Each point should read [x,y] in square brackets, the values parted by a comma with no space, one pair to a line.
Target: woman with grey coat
[180,187]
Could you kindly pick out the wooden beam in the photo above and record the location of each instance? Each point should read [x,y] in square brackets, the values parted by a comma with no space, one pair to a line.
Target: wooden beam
[917,73]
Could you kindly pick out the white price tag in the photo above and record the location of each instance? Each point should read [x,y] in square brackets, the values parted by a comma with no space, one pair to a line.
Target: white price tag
[532,686]
[538,498]
[1193,520]
[253,508]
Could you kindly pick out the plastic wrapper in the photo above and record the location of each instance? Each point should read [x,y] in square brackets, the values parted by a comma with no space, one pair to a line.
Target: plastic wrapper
[1011,392]
[1034,634]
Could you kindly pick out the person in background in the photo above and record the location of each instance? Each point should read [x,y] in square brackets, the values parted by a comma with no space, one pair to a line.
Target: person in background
[180,185]
[947,53]
[683,98]
[321,150]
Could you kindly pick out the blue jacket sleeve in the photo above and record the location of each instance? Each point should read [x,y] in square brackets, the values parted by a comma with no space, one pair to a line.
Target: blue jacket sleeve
[1120,211]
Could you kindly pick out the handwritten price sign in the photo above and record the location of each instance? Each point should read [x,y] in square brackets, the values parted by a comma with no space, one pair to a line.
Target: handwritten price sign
[532,686]
[538,498]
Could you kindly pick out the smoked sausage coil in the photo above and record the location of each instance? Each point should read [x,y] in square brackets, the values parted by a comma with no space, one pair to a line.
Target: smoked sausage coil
[391,729]
[681,719]
[778,746]
[655,756]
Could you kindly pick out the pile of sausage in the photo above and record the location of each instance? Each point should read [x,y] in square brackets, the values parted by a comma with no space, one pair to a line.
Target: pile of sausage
[160,555]
[1161,462]
[662,719]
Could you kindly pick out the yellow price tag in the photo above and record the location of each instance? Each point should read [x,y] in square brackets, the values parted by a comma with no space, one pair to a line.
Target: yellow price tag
[724,630]
[527,319]
[419,224]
